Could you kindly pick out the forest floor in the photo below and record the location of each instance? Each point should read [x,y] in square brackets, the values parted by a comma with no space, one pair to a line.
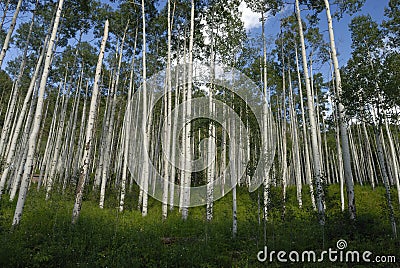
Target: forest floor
[107,238]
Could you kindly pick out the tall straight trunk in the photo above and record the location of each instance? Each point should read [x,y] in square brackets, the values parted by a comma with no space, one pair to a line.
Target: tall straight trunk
[9,33]
[37,119]
[305,136]
[314,93]
[127,130]
[174,140]
[89,130]
[342,120]
[340,160]
[340,171]
[102,140]
[59,137]
[10,112]
[211,140]
[188,151]
[295,146]
[394,159]
[167,111]
[21,117]
[78,155]
[108,146]
[371,169]
[381,159]
[284,146]
[6,6]
[223,156]
[44,166]
[234,175]
[266,182]
[145,129]
[183,140]
[69,149]
[313,126]
[22,151]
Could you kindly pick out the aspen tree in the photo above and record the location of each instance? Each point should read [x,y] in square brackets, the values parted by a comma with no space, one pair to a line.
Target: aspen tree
[9,33]
[342,120]
[313,126]
[145,128]
[89,130]
[37,119]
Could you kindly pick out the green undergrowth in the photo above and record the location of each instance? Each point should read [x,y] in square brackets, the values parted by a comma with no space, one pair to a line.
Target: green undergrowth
[107,238]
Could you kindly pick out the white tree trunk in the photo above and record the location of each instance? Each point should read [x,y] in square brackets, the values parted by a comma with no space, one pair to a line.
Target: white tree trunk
[381,159]
[342,121]
[188,150]
[21,117]
[145,129]
[305,137]
[36,123]
[9,33]
[127,132]
[295,146]
[313,125]
[108,145]
[167,111]
[89,130]
[394,159]
[57,148]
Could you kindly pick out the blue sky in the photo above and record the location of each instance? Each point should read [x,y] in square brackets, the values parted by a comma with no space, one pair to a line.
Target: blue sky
[375,8]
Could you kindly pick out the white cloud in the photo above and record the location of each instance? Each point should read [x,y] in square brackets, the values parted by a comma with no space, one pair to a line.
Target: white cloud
[250,19]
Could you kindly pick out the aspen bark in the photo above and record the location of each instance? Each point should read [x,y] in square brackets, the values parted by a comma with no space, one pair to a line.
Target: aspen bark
[37,119]
[313,126]
[145,129]
[89,130]
[9,33]
[188,150]
[342,121]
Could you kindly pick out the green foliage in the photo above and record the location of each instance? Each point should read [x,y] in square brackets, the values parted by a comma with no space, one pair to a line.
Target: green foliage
[107,238]
[6,85]
[392,25]
[343,6]
[370,77]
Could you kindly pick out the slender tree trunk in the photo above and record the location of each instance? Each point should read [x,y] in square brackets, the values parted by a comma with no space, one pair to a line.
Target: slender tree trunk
[295,146]
[211,140]
[167,112]
[10,113]
[188,150]
[145,129]
[21,117]
[36,123]
[313,126]
[394,159]
[7,4]
[9,33]
[305,137]
[381,158]
[89,130]
[266,182]
[128,118]
[342,121]
[108,146]
[22,151]
[59,136]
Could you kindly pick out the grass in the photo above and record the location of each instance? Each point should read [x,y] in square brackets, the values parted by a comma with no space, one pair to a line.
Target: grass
[107,238]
